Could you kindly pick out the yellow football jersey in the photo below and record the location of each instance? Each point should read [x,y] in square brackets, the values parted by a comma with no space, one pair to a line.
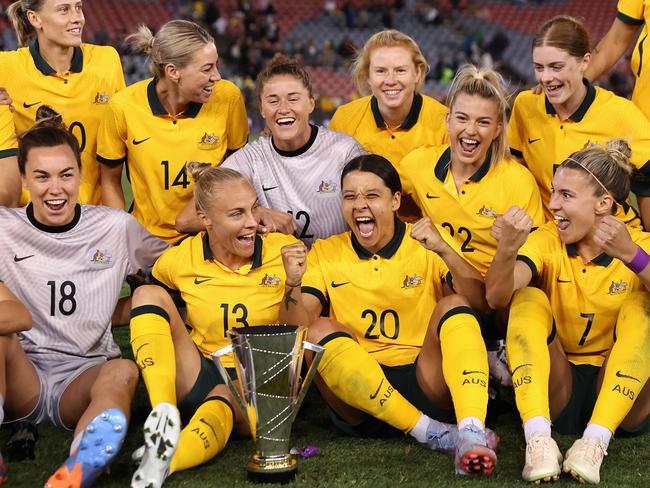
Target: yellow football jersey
[585,297]
[81,96]
[424,124]
[386,298]
[8,141]
[155,146]
[544,141]
[637,12]
[219,298]
[468,215]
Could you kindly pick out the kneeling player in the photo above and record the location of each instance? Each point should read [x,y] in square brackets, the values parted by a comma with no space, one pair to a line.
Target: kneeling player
[229,277]
[66,262]
[579,346]
[398,352]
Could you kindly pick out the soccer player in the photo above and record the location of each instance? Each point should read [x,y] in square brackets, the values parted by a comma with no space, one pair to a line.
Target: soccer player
[400,348]
[464,185]
[395,117]
[546,127]
[229,277]
[66,262]
[186,112]
[631,15]
[297,168]
[55,68]
[579,344]
[10,181]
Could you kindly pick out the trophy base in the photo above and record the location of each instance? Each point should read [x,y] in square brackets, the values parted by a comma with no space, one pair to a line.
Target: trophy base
[274,469]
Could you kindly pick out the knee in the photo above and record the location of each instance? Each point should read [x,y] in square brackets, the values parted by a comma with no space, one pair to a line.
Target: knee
[322,327]
[121,372]
[449,303]
[151,295]
[530,295]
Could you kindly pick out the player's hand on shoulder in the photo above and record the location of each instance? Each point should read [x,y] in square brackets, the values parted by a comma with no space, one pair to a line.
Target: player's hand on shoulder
[511,229]
[276,221]
[427,235]
[5,99]
[614,238]
[294,259]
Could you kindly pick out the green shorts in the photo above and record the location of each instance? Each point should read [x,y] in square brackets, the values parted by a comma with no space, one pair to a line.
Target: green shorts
[208,378]
[575,416]
[403,380]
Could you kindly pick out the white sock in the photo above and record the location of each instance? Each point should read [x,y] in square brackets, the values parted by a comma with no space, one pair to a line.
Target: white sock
[537,425]
[420,429]
[595,430]
[475,421]
[75,442]
[2,409]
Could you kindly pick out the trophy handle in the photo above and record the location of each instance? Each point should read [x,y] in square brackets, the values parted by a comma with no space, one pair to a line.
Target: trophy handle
[226,377]
[318,354]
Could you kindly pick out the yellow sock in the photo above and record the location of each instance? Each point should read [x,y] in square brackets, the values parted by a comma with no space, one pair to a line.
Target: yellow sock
[357,379]
[530,326]
[204,436]
[464,362]
[153,350]
[628,366]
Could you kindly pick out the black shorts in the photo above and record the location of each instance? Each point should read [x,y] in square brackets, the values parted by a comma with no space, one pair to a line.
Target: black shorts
[573,419]
[208,378]
[403,379]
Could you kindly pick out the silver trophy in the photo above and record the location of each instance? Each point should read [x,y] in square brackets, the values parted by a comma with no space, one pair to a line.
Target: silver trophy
[268,360]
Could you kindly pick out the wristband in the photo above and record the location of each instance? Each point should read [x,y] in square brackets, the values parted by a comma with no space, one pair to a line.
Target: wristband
[286,283]
[640,261]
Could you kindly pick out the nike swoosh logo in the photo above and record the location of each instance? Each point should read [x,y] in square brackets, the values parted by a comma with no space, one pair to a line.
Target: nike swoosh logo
[138,351]
[202,420]
[372,397]
[530,141]
[336,285]
[431,196]
[269,188]
[135,143]
[520,366]
[198,281]
[28,105]
[17,259]
[563,281]
[621,375]
[465,372]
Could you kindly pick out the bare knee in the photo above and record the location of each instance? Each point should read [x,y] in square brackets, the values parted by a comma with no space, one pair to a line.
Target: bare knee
[323,327]
[120,372]
[151,295]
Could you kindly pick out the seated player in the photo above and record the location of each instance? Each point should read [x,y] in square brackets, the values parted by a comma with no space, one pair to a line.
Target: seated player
[579,345]
[296,169]
[66,262]
[465,184]
[400,348]
[229,277]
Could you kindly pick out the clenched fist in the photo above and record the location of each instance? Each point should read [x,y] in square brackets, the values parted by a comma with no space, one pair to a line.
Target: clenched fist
[294,259]
[511,229]
[613,237]
[427,234]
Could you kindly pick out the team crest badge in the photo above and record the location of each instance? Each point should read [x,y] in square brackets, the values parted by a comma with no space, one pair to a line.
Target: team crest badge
[101,258]
[327,187]
[486,212]
[101,98]
[270,281]
[617,287]
[412,281]
[208,141]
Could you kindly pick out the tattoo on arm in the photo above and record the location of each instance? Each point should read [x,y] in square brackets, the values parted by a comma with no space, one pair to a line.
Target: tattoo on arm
[288,299]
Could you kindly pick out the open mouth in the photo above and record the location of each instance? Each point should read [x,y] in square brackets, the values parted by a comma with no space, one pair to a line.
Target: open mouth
[285,121]
[247,239]
[55,205]
[552,89]
[562,222]
[75,31]
[392,93]
[366,226]
[469,145]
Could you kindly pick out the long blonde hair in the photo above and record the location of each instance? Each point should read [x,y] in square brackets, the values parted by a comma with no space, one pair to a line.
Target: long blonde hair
[17,13]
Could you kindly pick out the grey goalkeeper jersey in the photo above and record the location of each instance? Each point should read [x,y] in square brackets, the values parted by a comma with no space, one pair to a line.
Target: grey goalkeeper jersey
[70,277]
[306,182]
